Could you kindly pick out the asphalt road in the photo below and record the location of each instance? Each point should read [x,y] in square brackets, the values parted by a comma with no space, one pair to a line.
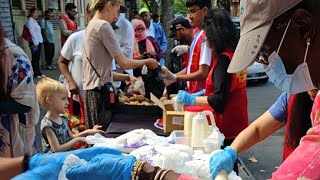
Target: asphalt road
[268,153]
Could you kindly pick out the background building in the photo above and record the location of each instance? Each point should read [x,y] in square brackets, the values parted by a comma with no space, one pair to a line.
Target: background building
[14,15]
[6,18]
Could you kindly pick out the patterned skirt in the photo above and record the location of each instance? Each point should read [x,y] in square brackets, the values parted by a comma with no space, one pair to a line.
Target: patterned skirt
[95,111]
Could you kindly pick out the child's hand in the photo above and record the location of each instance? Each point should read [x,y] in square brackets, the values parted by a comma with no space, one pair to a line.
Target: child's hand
[81,139]
[95,129]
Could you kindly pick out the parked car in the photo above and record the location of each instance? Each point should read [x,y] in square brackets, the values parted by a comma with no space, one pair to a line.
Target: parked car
[236,22]
[256,71]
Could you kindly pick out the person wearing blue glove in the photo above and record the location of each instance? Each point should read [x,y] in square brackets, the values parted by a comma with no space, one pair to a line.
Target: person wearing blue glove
[199,93]
[49,165]
[102,163]
[120,167]
[49,172]
[183,97]
[225,93]
[223,160]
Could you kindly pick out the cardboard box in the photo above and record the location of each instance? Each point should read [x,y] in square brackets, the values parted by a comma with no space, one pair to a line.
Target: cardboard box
[172,120]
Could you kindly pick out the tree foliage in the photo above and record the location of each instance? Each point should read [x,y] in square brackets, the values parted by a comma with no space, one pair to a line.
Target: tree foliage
[180,7]
[152,5]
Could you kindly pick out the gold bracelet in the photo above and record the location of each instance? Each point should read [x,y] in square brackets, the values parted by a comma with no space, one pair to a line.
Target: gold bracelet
[135,169]
[164,173]
[159,174]
[140,165]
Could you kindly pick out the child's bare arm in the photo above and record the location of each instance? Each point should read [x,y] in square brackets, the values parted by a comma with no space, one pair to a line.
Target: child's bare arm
[95,129]
[54,143]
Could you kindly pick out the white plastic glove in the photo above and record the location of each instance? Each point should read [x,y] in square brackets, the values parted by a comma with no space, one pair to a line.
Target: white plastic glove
[168,82]
[167,74]
[180,49]
[144,70]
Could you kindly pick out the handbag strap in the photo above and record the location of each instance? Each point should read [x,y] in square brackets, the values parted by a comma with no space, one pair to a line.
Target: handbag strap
[84,49]
[93,67]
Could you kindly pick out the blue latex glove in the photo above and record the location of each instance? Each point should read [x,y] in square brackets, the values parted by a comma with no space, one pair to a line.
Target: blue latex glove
[103,166]
[223,160]
[48,165]
[183,97]
[199,93]
[49,172]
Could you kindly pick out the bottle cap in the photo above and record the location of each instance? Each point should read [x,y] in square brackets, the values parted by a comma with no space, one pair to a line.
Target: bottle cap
[194,108]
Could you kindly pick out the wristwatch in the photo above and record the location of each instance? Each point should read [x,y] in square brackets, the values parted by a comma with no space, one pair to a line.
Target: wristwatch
[25,162]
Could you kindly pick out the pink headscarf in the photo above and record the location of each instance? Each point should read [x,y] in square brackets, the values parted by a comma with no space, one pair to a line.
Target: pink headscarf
[139,36]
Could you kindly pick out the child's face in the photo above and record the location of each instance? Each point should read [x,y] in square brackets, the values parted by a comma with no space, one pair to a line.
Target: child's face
[59,103]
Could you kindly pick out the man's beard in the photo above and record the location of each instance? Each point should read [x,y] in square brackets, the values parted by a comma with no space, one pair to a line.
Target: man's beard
[183,40]
[71,17]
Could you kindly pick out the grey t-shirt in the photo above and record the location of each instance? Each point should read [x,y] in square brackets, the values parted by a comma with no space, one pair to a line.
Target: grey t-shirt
[100,47]
[61,131]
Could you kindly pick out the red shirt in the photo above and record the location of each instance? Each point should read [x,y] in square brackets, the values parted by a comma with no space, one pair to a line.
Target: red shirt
[234,117]
[194,61]
[71,25]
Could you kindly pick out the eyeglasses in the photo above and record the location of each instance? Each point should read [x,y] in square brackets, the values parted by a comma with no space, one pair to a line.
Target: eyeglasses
[140,29]
[75,12]
[191,12]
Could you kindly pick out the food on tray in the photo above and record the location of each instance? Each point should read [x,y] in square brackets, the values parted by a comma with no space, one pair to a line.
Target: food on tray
[133,100]
[124,99]
[138,98]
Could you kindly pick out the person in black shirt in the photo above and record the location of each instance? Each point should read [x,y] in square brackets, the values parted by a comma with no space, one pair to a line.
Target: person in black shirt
[225,93]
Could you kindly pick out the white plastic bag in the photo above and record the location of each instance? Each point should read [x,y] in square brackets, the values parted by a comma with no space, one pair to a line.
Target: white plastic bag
[71,160]
[99,140]
[138,138]
[171,156]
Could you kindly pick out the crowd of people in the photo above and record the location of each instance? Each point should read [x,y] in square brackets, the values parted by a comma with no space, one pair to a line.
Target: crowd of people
[111,48]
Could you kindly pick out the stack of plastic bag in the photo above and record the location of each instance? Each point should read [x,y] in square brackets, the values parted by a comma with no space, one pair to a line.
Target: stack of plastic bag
[138,138]
[170,156]
[131,140]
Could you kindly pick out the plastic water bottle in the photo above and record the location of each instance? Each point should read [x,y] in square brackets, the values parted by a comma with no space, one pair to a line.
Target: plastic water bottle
[198,131]
[223,175]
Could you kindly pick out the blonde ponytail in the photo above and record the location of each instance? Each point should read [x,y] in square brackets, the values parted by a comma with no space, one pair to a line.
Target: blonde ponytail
[98,5]
[93,4]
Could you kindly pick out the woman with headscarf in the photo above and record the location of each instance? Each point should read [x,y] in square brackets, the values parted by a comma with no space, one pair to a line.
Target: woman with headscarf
[147,47]
[144,46]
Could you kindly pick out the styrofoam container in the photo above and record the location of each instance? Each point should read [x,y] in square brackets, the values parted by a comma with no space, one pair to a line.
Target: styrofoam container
[179,137]
[209,144]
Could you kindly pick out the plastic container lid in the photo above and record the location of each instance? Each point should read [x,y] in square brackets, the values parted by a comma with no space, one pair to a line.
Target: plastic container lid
[194,108]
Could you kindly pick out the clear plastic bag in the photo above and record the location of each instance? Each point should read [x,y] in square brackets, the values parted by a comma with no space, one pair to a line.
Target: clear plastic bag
[71,160]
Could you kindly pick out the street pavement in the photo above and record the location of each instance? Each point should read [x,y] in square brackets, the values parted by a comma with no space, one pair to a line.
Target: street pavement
[268,153]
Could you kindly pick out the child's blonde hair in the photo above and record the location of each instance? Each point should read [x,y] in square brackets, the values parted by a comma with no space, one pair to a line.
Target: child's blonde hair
[47,87]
